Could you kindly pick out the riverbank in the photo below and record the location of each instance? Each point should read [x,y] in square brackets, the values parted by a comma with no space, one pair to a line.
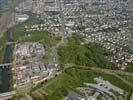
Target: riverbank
[6,21]
[2,47]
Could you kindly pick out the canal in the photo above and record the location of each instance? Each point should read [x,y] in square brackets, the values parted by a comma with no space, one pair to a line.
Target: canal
[5,69]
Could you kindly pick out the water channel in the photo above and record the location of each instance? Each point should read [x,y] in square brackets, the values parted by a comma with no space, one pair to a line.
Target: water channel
[6,59]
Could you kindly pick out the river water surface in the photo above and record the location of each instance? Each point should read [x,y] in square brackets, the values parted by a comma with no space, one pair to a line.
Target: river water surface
[5,69]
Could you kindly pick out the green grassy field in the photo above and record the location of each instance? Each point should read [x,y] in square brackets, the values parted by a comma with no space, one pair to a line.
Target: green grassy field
[129,78]
[72,78]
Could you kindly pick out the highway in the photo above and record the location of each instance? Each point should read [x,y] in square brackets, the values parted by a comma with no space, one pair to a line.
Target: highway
[108,71]
[100,69]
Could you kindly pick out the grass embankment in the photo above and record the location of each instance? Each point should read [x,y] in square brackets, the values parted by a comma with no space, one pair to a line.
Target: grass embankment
[70,79]
[2,50]
[129,78]
[87,55]
[2,47]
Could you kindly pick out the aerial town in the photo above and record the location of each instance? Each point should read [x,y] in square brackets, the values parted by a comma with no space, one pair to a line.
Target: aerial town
[66,50]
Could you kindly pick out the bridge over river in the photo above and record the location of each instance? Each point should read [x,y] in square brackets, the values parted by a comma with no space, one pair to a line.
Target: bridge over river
[5,65]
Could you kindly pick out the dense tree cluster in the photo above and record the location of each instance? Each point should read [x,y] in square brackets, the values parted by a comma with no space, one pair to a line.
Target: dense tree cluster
[130,67]
[91,54]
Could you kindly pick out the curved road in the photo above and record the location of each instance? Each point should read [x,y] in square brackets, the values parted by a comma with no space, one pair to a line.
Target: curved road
[108,71]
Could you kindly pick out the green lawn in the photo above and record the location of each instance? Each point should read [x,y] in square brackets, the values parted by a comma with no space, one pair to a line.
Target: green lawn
[36,36]
[72,78]
[129,78]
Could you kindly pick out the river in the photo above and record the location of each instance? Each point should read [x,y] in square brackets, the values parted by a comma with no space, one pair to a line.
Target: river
[3,1]
[5,70]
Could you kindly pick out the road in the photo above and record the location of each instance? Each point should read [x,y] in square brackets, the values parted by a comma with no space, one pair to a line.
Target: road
[108,71]
[131,98]
[100,69]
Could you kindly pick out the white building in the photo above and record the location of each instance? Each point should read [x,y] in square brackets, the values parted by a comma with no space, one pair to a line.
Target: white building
[21,18]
